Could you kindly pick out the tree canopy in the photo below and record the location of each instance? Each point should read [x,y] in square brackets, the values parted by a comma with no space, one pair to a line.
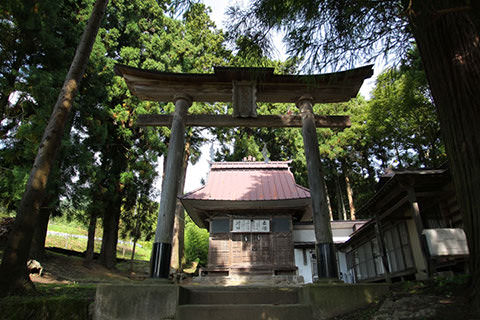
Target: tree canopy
[326,34]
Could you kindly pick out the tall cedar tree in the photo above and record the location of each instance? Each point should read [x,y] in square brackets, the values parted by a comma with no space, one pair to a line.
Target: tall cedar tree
[328,32]
[31,33]
[13,271]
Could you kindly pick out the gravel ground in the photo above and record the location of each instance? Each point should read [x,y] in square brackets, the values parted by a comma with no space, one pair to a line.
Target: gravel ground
[425,300]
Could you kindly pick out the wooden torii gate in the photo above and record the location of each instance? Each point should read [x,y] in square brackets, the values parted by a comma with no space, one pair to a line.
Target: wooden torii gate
[244,87]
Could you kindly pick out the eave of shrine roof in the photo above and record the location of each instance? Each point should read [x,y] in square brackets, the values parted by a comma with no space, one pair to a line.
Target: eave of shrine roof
[217,86]
[250,165]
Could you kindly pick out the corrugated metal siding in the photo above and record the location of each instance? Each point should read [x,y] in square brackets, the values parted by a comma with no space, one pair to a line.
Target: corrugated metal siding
[250,181]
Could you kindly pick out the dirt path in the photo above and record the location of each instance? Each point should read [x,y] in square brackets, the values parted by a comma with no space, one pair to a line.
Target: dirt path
[59,268]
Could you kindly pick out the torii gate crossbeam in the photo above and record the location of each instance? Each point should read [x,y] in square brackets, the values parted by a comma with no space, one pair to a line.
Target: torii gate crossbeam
[244,87]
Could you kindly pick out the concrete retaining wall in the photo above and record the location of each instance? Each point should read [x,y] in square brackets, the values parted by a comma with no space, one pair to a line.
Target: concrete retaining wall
[140,302]
[329,300]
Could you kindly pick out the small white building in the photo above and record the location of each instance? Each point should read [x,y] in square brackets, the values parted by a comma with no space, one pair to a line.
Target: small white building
[304,247]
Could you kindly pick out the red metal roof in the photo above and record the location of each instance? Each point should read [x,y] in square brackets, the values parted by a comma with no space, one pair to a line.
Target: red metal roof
[249,181]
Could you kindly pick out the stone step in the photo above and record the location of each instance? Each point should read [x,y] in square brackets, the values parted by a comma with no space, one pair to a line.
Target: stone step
[244,312]
[238,295]
[249,280]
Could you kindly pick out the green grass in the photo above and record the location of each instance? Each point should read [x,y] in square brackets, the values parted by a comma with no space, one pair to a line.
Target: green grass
[124,251]
[71,290]
[51,301]
[67,228]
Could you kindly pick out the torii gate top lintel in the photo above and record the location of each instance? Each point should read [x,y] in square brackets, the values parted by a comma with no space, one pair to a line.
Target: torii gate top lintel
[218,86]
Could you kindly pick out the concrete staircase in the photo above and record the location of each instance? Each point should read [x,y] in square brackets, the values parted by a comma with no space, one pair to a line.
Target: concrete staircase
[166,301]
[241,303]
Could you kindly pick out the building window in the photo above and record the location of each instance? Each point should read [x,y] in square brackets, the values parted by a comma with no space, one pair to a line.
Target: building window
[281,224]
[377,256]
[314,266]
[366,261]
[432,217]
[397,247]
[220,226]
[365,268]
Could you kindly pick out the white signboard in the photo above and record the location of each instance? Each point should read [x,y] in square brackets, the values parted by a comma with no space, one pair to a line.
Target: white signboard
[261,225]
[253,225]
[446,242]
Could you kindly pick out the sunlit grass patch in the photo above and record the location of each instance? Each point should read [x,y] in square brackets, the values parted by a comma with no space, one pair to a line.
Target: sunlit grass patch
[74,238]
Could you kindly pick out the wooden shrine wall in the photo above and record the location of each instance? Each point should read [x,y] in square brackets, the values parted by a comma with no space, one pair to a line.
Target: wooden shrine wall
[250,250]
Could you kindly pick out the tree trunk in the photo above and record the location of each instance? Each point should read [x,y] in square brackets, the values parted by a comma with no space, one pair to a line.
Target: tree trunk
[179,223]
[342,213]
[133,254]
[92,226]
[329,205]
[49,206]
[135,238]
[449,44]
[108,254]
[13,269]
[37,250]
[351,205]
[116,157]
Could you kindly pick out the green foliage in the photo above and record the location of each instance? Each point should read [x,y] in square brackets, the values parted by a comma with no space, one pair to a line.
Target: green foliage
[140,223]
[402,118]
[4,213]
[33,68]
[325,33]
[12,186]
[196,242]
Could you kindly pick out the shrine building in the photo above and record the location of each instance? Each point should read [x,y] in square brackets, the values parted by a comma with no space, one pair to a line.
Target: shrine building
[249,209]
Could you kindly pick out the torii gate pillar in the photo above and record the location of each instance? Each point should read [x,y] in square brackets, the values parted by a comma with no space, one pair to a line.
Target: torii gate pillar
[162,247]
[325,250]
